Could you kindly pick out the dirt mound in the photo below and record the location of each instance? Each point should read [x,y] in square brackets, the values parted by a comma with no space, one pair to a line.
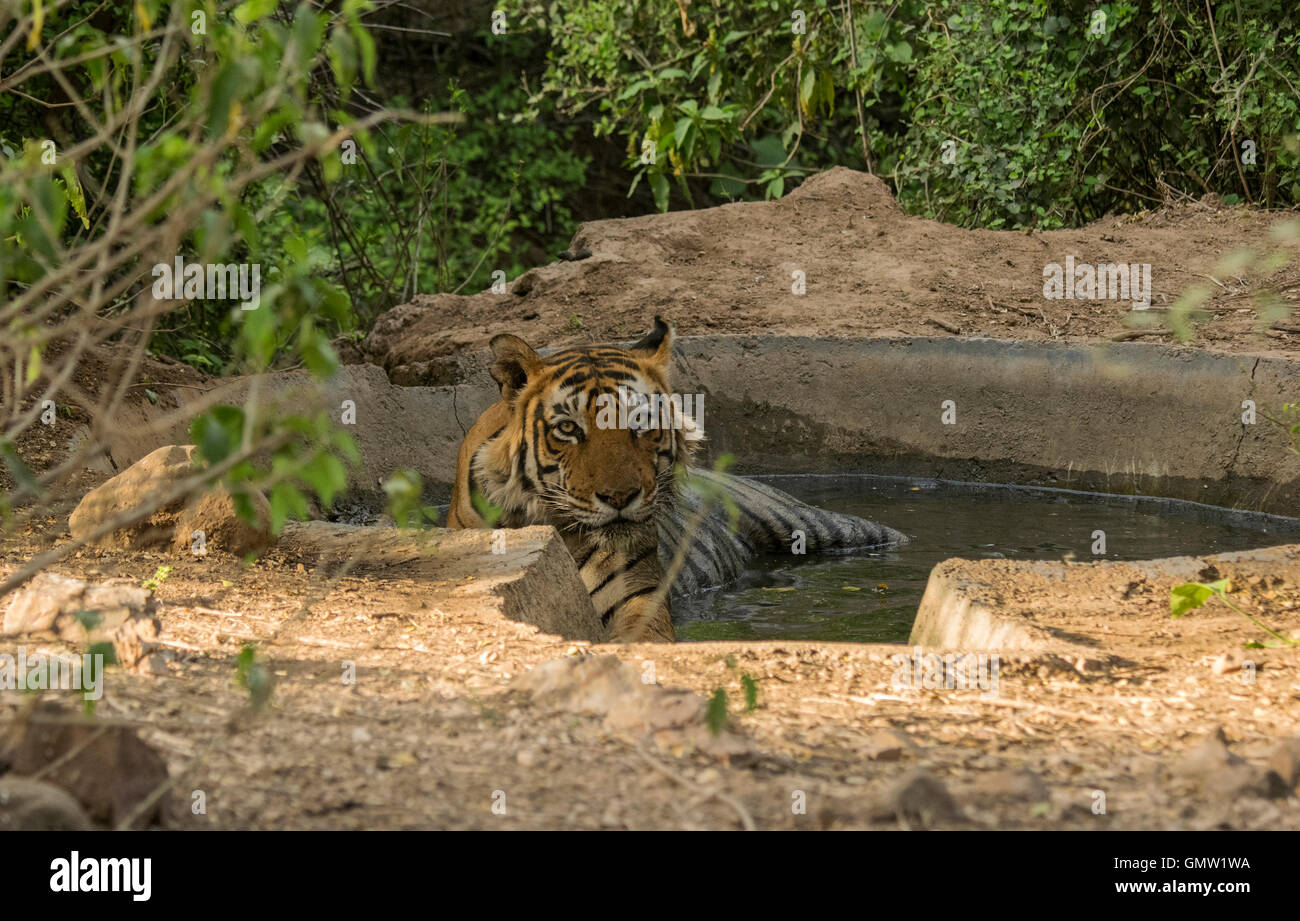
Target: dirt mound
[869,269]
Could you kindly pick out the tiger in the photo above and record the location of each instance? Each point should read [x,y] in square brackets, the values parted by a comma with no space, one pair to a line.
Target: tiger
[572,444]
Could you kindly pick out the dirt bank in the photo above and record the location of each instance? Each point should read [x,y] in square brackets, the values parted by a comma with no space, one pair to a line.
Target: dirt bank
[870,270]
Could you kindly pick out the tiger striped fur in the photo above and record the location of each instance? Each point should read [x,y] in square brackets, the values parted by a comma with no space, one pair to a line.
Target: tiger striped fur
[541,455]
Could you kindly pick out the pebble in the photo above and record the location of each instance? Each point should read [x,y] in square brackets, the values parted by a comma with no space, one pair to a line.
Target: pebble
[1228,662]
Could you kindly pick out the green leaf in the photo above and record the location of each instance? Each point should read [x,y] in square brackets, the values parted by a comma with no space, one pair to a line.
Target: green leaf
[1188,596]
[105,649]
[806,89]
[286,502]
[19,470]
[716,715]
[33,365]
[76,197]
[225,88]
[253,675]
[244,506]
[486,510]
[325,474]
[366,45]
[253,10]
[659,185]
[750,687]
[218,432]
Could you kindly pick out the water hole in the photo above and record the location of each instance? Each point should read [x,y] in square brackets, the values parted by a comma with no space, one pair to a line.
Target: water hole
[873,597]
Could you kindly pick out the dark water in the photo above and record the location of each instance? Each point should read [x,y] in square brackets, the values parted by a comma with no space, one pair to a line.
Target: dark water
[873,597]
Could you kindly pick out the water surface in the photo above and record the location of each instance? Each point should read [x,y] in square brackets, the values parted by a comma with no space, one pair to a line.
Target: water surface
[873,598]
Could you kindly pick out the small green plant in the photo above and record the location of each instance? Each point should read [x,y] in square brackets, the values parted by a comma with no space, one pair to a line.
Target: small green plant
[1191,595]
[101,654]
[716,714]
[750,688]
[252,675]
[405,490]
[1289,420]
[160,575]
[489,511]
[717,710]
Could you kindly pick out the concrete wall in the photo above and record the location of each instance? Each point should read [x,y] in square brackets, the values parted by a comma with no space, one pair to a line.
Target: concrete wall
[1120,418]
[1127,417]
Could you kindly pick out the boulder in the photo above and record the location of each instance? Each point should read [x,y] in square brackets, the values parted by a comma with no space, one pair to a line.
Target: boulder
[83,614]
[173,522]
[109,769]
[918,797]
[1213,767]
[32,805]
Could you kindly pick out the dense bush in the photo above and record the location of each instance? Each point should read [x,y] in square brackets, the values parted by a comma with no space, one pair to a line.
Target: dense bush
[417,206]
[990,113]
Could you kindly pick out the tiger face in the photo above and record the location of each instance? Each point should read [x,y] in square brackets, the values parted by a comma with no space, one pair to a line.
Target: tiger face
[594,437]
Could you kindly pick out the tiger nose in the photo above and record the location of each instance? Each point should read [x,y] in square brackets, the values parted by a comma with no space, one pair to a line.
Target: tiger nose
[619,500]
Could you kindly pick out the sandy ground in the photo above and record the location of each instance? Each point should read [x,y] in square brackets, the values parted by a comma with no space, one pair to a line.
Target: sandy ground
[432,735]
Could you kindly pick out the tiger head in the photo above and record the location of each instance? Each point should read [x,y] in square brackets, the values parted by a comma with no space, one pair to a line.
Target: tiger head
[595,434]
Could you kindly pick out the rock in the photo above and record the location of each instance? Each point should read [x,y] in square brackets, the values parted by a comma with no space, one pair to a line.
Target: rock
[111,772]
[639,714]
[1018,785]
[1284,763]
[535,580]
[1216,770]
[153,665]
[919,797]
[581,684]
[1210,754]
[35,607]
[115,611]
[32,805]
[889,745]
[214,514]
[603,685]
[1228,662]
[172,523]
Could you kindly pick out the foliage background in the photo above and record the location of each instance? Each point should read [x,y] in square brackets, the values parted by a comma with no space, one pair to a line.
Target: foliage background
[585,109]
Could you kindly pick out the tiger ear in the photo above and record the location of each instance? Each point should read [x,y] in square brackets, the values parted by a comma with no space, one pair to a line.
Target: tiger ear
[657,345]
[515,363]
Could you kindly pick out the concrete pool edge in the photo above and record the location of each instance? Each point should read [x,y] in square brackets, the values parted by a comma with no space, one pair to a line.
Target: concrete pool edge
[1126,418]
[1119,417]
[529,579]
[1072,608]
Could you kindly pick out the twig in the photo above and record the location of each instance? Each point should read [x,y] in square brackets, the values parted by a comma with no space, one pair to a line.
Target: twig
[944,324]
[1137,334]
[745,818]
